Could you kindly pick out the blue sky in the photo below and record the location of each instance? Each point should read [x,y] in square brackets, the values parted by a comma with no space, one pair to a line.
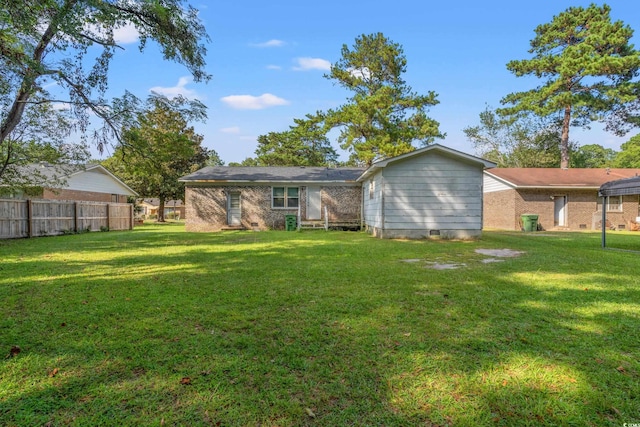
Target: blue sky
[268,59]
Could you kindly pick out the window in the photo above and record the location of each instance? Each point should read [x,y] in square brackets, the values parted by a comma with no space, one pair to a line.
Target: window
[372,189]
[114,198]
[614,203]
[285,197]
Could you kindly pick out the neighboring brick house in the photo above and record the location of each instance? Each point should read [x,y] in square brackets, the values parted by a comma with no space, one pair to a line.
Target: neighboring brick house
[149,208]
[221,197]
[433,191]
[563,199]
[88,182]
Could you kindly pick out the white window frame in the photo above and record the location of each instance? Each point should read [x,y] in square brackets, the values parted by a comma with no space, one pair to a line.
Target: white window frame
[286,197]
[608,204]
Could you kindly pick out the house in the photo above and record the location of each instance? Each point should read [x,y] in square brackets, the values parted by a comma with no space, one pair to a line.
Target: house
[222,197]
[172,208]
[433,191]
[428,192]
[88,182]
[565,199]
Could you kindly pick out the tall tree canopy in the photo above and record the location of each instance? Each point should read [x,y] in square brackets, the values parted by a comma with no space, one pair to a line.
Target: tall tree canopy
[629,154]
[383,117]
[588,67]
[525,141]
[160,148]
[305,144]
[592,156]
[68,44]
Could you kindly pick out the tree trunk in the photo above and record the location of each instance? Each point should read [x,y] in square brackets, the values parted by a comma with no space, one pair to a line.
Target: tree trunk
[161,210]
[564,141]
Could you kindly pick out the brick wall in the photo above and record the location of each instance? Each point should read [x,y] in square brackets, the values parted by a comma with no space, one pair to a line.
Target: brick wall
[343,203]
[206,207]
[503,209]
[498,210]
[88,196]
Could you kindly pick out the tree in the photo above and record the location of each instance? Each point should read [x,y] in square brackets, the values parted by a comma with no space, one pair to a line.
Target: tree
[305,144]
[525,141]
[588,65]
[47,43]
[249,161]
[592,156]
[213,159]
[384,116]
[40,137]
[160,148]
[629,154]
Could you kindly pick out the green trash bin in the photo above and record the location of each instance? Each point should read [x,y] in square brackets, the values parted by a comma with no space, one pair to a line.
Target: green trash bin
[290,222]
[530,222]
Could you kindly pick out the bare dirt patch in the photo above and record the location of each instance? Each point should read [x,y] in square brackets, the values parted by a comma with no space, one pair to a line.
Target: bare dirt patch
[500,253]
[442,266]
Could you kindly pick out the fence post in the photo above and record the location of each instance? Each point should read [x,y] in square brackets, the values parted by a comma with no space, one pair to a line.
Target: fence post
[109,216]
[75,216]
[29,218]
[130,216]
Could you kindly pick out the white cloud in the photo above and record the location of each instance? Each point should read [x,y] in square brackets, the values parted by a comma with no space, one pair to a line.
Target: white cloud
[250,102]
[125,35]
[60,106]
[274,67]
[232,130]
[305,64]
[360,73]
[178,89]
[270,43]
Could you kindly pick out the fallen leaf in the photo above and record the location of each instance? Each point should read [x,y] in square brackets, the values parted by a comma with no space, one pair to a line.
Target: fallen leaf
[63,324]
[408,334]
[15,350]
[85,302]
[310,412]
[621,369]
[573,380]
[185,381]
[504,383]
[53,373]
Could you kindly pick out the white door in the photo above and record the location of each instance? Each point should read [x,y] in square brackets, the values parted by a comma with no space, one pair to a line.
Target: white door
[234,212]
[560,211]
[314,202]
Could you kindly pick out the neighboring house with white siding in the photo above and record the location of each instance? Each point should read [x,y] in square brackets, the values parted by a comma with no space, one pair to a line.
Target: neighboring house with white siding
[433,191]
[87,182]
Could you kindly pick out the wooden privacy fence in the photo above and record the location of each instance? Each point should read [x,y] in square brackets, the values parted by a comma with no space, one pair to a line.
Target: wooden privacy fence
[35,218]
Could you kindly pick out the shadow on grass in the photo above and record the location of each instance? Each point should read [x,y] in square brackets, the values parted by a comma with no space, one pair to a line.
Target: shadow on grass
[316,328]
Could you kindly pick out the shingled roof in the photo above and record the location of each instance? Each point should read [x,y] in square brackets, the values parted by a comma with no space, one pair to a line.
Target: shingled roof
[559,178]
[213,174]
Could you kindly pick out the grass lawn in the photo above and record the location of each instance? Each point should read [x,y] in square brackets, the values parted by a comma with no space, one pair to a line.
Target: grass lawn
[162,327]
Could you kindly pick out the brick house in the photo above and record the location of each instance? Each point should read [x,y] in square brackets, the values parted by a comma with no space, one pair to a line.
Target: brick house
[433,191]
[563,199]
[149,208]
[88,182]
[221,197]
